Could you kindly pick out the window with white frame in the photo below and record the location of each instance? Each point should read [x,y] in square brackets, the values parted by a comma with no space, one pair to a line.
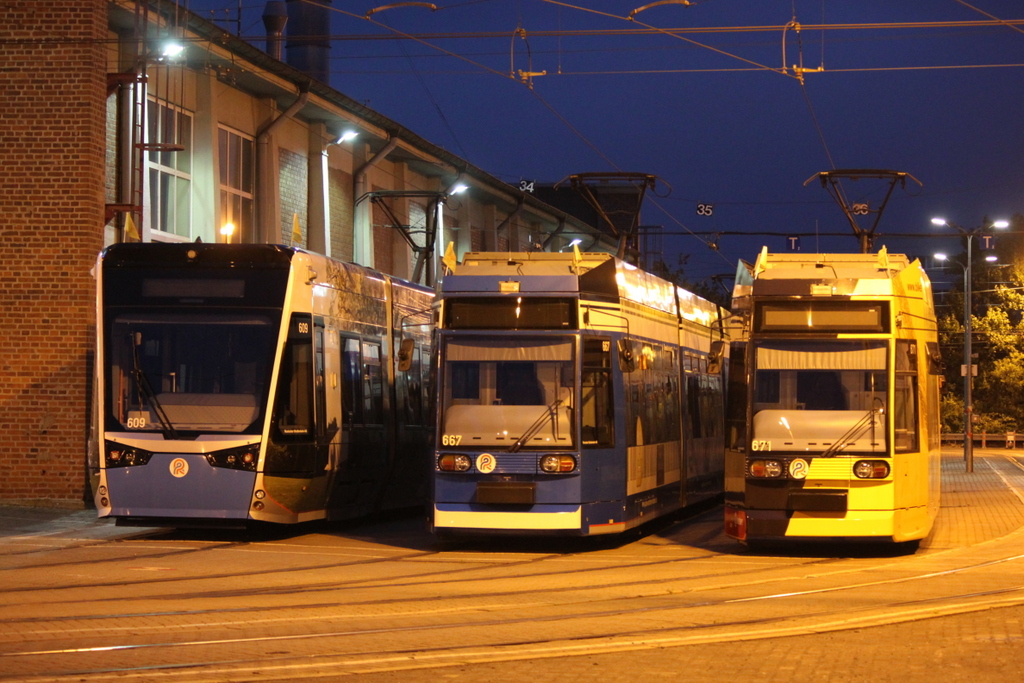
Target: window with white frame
[236,153]
[169,165]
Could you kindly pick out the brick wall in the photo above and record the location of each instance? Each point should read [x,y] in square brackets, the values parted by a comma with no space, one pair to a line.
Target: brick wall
[293,188]
[52,134]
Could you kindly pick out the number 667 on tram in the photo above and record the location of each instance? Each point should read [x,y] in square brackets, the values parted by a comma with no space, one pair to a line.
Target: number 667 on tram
[578,395]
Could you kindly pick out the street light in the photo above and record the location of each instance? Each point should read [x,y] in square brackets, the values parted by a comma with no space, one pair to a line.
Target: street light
[968,356]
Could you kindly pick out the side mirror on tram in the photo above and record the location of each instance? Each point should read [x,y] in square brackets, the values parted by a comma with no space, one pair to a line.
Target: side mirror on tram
[627,361]
[715,357]
[405,354]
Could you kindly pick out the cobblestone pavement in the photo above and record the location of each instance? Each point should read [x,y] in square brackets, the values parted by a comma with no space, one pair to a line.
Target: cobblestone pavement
[979,646]
[958,601]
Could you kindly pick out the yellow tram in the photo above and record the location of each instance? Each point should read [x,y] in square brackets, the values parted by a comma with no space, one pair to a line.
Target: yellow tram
[832,426]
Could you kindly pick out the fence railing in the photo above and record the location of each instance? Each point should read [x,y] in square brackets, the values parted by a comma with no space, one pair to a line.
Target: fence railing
[986,440]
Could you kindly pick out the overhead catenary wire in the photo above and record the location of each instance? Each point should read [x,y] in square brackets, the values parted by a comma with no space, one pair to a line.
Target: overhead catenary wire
[645,29]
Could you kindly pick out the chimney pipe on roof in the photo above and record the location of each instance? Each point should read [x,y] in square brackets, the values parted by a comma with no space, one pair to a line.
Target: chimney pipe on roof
[308,47]
[275,16]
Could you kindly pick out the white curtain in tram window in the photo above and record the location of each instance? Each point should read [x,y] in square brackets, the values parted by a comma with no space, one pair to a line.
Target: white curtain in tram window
[520,350]
[824,357]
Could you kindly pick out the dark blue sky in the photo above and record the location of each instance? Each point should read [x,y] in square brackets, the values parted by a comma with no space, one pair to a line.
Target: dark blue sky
[716,121]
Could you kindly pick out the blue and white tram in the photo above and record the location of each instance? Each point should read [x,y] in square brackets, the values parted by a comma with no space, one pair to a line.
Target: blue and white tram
[256,382]
[578,395]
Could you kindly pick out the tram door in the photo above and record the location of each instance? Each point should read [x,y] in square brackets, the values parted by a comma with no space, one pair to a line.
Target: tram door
[363,444]
[328,379]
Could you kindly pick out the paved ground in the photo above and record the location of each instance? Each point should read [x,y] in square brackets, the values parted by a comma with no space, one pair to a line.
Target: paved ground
[987,645]
[981,521]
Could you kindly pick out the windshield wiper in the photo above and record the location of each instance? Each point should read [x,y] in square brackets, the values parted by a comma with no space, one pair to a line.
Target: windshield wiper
[146,391]
[852,434]
[537,424]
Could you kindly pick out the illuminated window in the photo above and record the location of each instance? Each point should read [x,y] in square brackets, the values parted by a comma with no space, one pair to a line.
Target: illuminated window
[235,154]
[905,397]
[169,166]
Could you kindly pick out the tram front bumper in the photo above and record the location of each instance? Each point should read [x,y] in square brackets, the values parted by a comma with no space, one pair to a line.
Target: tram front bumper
[177,486]
[448,516]
[745,525]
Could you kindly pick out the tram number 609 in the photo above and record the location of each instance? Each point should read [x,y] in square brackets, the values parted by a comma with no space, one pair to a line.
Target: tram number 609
[451,439]
[760,445]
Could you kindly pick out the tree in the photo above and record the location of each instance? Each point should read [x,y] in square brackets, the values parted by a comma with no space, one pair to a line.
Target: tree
[997,319]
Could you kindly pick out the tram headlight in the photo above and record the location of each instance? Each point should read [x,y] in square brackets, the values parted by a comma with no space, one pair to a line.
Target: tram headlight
[454,462]
[240,458]
[871,469]
[118,455]
[765,469]
[557,464]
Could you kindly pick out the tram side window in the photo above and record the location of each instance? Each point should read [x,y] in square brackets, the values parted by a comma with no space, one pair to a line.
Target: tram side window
[414,390]
[320,377]
[597,410]
[905,397]
[373,389]
[736,398]
[352,383]
[693,406]
[704,405]
[294,406]
[711,400]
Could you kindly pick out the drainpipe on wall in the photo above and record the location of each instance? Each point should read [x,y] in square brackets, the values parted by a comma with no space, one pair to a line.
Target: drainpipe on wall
[267,221]
[362,229]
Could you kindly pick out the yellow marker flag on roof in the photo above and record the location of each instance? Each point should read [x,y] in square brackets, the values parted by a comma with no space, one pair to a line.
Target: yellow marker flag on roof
[296,230]
[130,231]
[449,259]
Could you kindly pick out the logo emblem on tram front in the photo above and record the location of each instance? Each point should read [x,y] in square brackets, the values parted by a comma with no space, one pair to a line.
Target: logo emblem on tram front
[798,468]
[179,467]
[485,462]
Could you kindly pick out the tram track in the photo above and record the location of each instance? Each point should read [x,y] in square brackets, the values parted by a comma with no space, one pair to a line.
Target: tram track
[422,580]
[395,659]
[490,607]
[481,594]
[580,597]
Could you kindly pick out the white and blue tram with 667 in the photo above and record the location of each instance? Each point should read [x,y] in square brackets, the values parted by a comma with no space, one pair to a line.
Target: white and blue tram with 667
[833,417]
[578,395]
[256,382]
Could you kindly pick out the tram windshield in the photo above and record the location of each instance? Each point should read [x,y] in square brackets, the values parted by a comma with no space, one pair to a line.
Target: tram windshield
[189,373]
[823,397]
[508,393]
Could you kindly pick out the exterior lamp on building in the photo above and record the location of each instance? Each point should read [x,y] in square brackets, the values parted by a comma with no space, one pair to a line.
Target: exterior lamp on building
[458,189]
[227,230]
[968,356]
[172,49]
[347,136]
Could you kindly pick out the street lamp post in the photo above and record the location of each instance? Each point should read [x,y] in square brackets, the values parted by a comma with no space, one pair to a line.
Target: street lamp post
[968,356]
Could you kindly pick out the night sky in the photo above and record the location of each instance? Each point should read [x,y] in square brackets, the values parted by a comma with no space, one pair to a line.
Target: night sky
[711,113]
